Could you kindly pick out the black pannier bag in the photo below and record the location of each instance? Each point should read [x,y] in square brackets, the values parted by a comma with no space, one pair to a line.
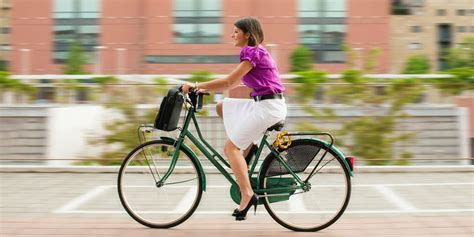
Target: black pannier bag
[170,109]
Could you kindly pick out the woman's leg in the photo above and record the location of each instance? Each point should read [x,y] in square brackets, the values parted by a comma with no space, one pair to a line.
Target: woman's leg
[219,109]
[239,167]
[219,106]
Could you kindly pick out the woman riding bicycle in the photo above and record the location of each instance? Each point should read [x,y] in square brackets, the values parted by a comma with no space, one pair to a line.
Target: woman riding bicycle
[246,120]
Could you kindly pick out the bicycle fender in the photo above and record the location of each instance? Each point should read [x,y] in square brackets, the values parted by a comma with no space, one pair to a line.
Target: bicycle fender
[339,153]
[193,156]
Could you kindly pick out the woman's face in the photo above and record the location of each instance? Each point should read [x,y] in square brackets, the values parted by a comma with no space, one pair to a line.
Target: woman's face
[240,38]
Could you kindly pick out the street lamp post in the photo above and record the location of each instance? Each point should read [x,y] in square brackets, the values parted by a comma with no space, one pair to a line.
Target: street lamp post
[120,58]
[25,61]
[98,59]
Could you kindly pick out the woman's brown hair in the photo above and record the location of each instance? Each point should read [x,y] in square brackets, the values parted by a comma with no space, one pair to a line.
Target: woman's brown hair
[252,26]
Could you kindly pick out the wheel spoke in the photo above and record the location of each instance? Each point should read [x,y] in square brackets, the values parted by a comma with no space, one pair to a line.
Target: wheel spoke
[159,206]
[328,192]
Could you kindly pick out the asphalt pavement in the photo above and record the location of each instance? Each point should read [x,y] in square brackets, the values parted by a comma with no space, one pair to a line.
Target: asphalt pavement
[382,204]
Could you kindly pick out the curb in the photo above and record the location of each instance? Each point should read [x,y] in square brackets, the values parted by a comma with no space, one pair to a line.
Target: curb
[213,170]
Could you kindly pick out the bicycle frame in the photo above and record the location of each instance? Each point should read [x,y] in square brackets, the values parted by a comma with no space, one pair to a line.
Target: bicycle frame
[214,157]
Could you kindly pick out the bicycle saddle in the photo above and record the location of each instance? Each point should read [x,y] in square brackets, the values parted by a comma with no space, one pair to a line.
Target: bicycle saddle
[277,126]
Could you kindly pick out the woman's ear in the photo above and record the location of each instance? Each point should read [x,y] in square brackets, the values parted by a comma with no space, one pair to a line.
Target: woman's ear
[247,35]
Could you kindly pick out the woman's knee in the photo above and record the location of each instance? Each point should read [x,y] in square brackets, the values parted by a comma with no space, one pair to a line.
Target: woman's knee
[230,148]
[219,109]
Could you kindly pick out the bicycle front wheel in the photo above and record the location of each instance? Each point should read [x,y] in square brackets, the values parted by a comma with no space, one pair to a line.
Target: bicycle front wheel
[146,198]
[326,197]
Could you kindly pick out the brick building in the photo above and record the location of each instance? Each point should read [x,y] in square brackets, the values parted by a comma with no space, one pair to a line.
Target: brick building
[181,36]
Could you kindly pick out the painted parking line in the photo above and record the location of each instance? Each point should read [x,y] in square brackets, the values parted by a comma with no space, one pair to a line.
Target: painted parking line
[395,199]
[296,204]
[75,203]
[188,198]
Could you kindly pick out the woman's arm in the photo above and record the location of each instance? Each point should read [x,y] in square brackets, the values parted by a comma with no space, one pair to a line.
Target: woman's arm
[230,81]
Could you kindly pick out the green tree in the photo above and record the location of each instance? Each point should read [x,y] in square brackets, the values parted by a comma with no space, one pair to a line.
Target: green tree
[417,64]
[371,60]
[373,135]
[462,79]
[122,133]
[201,76]
[301,59]
[9,84]
[3,64]
[75,60]
[462,56]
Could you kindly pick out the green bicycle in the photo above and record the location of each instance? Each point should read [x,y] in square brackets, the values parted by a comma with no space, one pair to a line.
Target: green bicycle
[303,183]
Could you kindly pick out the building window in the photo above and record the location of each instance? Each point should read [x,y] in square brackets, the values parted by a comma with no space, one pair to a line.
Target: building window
[321,8]
[461,12]
[441,12]
[472,29]
[417,3]
[75,21]
[5,30]
[461,29]
[197,22]
[414,46]
[322,28]
[416,29]
[192,59]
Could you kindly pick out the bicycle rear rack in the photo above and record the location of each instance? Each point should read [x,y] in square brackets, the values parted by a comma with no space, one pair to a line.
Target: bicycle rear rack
[313,134]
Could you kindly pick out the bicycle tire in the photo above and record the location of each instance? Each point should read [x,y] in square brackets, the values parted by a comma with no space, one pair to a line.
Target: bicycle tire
[340,176]
[152,218]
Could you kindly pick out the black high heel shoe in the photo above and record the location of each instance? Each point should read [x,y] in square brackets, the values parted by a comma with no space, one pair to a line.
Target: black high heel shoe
[241,215]
[236,210]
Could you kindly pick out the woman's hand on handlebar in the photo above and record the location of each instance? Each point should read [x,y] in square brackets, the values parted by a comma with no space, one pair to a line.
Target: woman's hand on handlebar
[186,88]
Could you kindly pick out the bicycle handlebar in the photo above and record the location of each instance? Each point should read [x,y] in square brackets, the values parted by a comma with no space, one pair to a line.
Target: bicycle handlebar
[195,98]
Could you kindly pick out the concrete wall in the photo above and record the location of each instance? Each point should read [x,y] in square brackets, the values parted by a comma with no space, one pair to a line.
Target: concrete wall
[48,135]
[69,131]
[57,133]
[24,133]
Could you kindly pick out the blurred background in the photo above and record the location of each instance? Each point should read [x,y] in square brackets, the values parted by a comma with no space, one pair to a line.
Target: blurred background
[392,80]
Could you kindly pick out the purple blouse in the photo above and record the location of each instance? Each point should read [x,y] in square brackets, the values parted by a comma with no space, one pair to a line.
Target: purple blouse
[264,77]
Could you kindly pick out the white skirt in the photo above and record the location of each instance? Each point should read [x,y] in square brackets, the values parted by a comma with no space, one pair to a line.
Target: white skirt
[246,121]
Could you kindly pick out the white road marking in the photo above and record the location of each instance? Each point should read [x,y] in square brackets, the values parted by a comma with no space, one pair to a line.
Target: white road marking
[394,198]
[404,206]
[296,203]
[186,201]
[68,207]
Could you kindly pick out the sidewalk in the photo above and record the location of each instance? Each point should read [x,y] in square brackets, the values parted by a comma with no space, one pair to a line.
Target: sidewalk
[64,204]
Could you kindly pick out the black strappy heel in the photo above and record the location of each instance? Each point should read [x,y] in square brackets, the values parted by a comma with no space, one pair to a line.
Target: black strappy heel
[241,215]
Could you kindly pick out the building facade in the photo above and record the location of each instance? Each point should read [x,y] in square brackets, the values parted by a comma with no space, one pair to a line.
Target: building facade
[428,27]
[182,36]
[5,6]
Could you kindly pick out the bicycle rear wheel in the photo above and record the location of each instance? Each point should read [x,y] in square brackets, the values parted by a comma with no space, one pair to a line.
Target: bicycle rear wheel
[148,201]
[329,187]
